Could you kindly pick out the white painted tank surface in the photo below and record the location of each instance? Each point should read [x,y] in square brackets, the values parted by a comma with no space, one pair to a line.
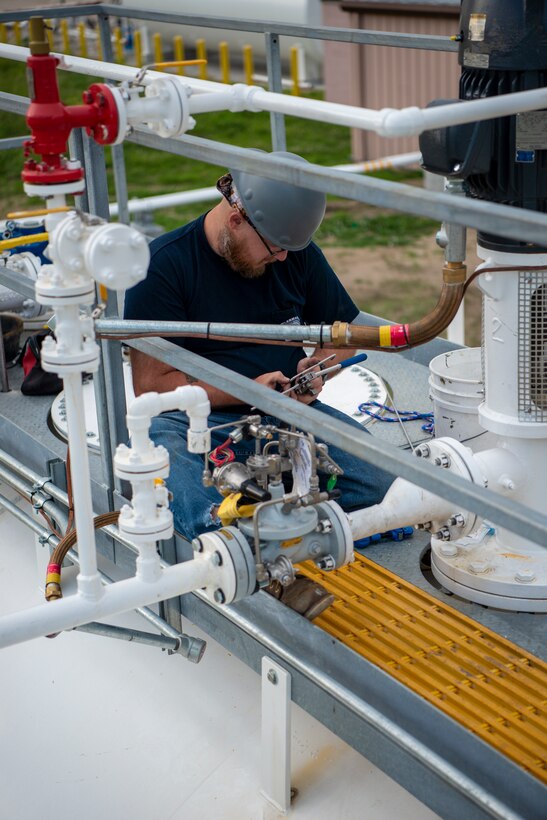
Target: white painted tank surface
[297,12]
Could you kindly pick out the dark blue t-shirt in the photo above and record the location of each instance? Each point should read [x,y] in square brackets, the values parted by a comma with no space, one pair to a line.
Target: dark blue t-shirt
[188,281]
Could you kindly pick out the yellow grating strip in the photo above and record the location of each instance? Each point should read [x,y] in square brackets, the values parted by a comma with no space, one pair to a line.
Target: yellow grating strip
[488,684]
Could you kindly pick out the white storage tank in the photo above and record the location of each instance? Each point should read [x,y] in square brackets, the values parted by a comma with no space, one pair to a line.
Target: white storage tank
[297,12]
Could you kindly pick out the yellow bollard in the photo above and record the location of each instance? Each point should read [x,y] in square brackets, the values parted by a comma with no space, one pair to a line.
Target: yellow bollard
[248,64]
[118,44]
[65,37]
[137,40]
[294,72]
[17,33]
[82,39]
[158,55]
[178,48]
[224,53]
[3,33]
[201,54]
[49,31]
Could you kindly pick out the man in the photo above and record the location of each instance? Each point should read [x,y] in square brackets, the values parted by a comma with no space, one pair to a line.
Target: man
[250,259]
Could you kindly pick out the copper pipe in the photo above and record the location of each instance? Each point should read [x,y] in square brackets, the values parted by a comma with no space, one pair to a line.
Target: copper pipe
[424,329]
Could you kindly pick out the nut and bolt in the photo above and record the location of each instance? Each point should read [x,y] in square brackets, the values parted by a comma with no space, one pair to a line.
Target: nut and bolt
[443,534]
[423,451]
[197,545]
[478,567]
[525,576]
[443,460]
[448,550]
[219,596]
[327,563]
[456,520]
[272,676]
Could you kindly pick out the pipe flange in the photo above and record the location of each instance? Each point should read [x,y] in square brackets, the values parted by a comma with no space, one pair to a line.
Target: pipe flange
[53,287]
[133,465]
[340,544]
[174,98]
[56,360]
[235,573]
[130,523]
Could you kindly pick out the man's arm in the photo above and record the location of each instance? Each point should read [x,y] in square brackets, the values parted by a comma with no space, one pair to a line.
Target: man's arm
[151,375]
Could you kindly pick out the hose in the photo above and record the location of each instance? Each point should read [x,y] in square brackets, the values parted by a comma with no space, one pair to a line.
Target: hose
[53,578]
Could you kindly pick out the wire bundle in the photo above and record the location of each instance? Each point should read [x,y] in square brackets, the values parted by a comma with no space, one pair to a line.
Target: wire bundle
[222,454]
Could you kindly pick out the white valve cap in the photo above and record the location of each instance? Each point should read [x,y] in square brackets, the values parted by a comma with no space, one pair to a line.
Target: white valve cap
[117,256]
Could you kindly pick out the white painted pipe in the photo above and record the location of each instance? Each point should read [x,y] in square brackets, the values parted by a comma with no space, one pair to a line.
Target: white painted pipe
[191,399]
[387,122]
[89,584]
[153,203]
[403,505]
[66,613]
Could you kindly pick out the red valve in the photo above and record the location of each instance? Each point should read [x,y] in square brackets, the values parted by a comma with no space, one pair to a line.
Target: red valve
[50,121]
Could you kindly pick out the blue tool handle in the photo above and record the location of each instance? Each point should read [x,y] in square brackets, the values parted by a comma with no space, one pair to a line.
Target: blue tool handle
[354,360]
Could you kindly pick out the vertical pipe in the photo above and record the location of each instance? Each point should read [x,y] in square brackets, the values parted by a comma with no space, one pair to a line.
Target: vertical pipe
[294,72]
[3,33]
[49,32]
[64,36]
[178,48]
[82,40]
[273,66]
[201,54]
[118,44]
[248,64]
[105,38]
[224,54]
[89,583]
[96,202]
[17,33]
[158,52]
[137,41]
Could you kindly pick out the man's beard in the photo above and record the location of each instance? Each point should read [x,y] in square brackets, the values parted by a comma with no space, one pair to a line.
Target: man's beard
[232,252]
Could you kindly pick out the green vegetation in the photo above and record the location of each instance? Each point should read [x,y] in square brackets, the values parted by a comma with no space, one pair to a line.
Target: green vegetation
[394,230]
[151,172]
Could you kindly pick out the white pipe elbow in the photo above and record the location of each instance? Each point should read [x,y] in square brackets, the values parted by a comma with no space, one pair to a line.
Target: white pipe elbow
[404,123]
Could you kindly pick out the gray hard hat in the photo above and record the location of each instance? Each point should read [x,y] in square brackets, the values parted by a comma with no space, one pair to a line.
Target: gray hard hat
[286,215]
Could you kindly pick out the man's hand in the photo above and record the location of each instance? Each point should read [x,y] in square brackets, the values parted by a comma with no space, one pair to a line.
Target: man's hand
[275,380]
[315,386]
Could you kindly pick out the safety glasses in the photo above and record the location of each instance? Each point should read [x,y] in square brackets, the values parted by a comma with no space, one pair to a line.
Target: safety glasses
[225,186]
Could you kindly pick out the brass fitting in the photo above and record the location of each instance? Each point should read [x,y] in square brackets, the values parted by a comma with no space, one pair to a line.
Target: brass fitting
[38,42]
[340,333]
[454,273]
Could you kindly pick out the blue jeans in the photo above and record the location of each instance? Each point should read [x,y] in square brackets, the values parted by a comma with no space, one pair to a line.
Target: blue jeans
[362,484]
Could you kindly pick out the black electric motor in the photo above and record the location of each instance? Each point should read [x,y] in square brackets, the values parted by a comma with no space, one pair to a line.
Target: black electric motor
[503,49]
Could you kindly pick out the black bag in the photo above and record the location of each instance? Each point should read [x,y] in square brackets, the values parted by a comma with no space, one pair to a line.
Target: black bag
[37,382]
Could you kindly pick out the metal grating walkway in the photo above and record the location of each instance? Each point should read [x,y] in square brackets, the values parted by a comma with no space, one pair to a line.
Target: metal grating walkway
[488,684]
